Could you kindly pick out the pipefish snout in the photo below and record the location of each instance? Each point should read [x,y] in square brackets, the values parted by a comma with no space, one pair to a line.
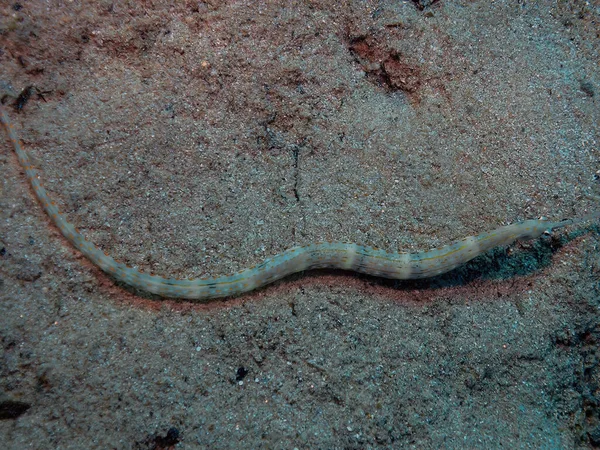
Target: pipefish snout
[332,255]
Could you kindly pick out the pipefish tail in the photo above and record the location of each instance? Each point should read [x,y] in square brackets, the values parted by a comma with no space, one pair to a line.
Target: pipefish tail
[332,255]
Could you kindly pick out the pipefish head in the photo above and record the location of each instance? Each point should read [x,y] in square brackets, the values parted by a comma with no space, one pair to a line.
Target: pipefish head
[534,228]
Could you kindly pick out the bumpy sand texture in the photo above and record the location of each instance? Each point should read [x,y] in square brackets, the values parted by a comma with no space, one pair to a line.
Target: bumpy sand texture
[198,139]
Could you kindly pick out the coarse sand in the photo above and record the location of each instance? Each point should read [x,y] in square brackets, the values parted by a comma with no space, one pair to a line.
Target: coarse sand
[196,138]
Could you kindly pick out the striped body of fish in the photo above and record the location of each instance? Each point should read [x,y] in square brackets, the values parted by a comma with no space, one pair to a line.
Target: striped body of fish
[333,255]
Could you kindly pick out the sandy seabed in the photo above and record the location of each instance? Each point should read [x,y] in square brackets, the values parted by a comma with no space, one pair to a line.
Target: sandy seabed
[198,139]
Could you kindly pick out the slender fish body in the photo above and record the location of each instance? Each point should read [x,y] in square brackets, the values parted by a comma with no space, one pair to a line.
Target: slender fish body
[332,255]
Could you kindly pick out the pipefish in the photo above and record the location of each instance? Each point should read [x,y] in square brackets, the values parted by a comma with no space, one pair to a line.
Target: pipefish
[331,255]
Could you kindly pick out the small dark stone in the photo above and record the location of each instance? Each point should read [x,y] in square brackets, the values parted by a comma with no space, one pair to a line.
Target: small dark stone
[11,409]
[422,4]
[587,87]
[241,373]
[170,439]
[594,436]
